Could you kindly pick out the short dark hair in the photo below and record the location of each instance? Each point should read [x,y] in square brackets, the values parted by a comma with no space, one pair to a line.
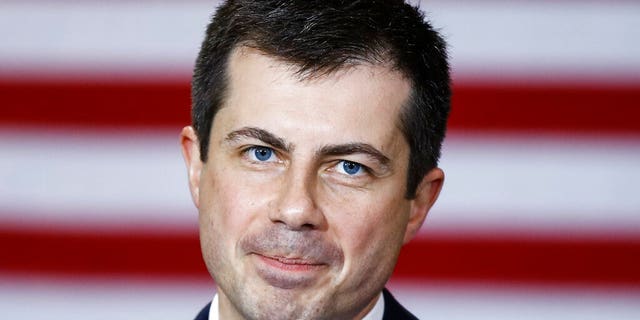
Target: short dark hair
[322,36]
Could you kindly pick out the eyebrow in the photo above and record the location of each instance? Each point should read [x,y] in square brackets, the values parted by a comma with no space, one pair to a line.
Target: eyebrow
[260,134]
[328,150]
[353,148]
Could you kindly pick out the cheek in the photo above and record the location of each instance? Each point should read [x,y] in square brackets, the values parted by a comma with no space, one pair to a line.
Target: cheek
[370,234]
[227,212]
[230,203]
[372,227]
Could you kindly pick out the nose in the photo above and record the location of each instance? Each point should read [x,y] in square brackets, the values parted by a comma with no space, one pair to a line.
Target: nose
[296,206]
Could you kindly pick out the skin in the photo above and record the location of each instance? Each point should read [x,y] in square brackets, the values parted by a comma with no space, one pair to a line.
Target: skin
[288,228]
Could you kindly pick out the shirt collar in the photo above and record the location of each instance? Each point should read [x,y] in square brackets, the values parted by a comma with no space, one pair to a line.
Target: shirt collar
[378,310]
[214,313]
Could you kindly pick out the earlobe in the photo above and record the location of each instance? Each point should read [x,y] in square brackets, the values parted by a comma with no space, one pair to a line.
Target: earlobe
[191,154]
[426,195]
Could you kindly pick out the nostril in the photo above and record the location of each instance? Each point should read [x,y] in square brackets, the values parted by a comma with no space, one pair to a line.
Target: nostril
[308,226]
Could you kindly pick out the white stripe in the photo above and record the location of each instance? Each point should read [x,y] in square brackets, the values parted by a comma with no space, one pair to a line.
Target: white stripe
[138,179]
[39,298]
[498,39]
[135,179]
[544,40]
[488,301]
[555,183]
[123,299]
[119,37]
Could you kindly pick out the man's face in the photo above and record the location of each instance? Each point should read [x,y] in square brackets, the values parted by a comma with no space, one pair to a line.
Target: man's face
[301,201]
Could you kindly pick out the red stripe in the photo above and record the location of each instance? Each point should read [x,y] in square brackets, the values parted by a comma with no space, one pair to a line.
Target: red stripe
[140,104]
[587,261]
[555,108]
[529,109]
[55,252]
[509,259]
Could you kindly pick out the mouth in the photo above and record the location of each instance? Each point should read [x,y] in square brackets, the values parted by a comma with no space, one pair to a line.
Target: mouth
[290,264]
[288,272]
[283,259]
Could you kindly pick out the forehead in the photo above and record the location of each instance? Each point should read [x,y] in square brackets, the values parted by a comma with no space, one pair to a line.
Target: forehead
[359,103]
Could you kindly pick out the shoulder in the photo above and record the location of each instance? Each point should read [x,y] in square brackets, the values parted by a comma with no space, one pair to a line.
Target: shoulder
[393,309]
[204,313]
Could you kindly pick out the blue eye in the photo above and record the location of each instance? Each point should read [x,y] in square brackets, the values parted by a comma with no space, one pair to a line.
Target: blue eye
[261,153]
[351,168]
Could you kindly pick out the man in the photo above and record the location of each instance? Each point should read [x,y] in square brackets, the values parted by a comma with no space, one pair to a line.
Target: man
[312,156]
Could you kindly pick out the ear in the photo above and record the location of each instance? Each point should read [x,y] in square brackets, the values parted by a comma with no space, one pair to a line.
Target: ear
[191,155]
[426,195]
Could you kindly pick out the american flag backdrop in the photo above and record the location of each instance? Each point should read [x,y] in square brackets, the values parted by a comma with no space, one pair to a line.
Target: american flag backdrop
[539,217]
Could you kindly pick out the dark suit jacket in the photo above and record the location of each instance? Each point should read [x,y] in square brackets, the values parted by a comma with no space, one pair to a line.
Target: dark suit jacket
[392,309]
